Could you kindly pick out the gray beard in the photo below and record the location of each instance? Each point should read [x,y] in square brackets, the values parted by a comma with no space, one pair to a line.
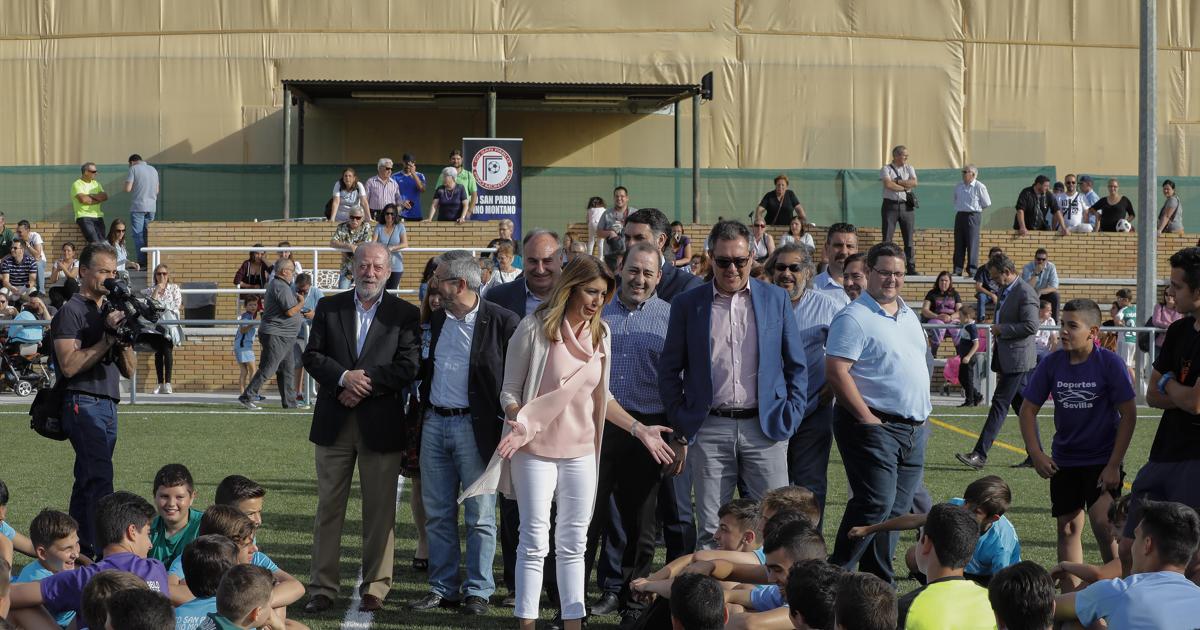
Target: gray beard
[364,296]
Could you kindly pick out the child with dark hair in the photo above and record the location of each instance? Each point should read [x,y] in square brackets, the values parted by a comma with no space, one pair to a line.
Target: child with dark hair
[987,498]
[244,494]
[811,591]
[1157,594]
[791,499]
[16,541]
[55,538]
[243,601]
[93,613]
[177,522]
[738,538]
[123,531]
[136,609]
[949,600]
[697,603]
[1022,597]
[864,602]
[206,560]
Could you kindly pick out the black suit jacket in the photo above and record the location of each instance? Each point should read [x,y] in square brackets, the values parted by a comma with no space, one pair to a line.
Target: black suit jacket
[494,325]
[674,281]
[391,357]
[510,295]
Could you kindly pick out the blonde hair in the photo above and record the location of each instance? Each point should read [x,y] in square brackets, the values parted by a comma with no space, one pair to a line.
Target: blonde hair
[580,271]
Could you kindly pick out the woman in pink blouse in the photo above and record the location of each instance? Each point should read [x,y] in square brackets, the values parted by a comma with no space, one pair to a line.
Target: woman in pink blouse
[555,399]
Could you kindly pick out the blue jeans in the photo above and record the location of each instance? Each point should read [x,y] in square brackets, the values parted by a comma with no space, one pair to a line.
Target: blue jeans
[983,301]
[808,454]
[139,224]
[91,425]
[883,463]
[450,461]
[41,276]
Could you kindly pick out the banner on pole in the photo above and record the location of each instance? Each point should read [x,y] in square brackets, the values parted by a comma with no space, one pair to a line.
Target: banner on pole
[496,164]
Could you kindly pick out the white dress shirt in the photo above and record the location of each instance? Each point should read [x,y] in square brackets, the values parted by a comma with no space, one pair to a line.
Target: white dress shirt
[452,360]
[362,325]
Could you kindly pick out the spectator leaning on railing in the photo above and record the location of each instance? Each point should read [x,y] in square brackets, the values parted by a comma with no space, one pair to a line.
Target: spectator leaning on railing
[347,238]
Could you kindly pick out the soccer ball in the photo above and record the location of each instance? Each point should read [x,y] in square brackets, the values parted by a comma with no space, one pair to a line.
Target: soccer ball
[1124,226]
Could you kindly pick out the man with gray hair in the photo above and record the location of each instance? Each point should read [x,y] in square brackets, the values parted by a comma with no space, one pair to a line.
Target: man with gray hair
[280,325]
[382,189]
[364,350]
[899,178]
[970,199]
[791,268]
[460,397]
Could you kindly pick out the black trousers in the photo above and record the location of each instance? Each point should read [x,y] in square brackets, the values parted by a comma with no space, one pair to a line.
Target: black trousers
[629,475]
[966,242]
[966,377]
[894,212]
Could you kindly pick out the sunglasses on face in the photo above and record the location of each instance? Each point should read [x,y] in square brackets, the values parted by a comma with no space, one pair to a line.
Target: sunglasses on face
[1041,260]
[724,262]
[356,218]
[760,225]
[794,267]
[93,172]
[389,214]
[160,273]
[387,168]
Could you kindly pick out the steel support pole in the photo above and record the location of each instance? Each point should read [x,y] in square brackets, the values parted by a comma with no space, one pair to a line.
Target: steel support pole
[696,158]
[491,114]
[287,152]
[1147,172]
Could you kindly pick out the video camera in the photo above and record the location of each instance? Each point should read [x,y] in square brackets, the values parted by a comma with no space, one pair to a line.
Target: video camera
[141,316]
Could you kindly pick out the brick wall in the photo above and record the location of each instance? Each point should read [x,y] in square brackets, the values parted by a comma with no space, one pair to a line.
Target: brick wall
[205,363]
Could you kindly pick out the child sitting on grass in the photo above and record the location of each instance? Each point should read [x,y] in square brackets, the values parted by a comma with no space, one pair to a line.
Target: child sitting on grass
[738,538]
[811,591]
[136,609]
[15,541]
[206,560]
[1094,418]
[55,537]
[177,522]
[243,601]
[94,610]
[987,498]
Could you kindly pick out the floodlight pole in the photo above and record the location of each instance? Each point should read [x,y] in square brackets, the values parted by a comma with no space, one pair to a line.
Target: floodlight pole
[491,114]
[696,158]
[287,152]
[1147,233]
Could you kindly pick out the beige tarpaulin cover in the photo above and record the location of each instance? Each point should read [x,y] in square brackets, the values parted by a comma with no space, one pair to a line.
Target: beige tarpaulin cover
[799,83]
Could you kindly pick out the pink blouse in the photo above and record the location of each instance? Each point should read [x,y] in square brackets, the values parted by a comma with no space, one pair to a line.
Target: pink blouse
[573,432]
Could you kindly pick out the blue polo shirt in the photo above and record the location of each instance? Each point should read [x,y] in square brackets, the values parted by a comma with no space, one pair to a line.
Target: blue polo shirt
[814,312]
[259,559]
[637,339]
[1163,600]
[996,548]
[889,355]
[35,572]
[767,597]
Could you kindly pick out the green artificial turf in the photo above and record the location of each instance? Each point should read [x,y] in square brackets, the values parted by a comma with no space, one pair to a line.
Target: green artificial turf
[273,449]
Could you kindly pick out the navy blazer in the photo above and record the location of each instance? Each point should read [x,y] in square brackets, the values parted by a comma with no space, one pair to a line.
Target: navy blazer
[510,295]
[685,367]
[675,281]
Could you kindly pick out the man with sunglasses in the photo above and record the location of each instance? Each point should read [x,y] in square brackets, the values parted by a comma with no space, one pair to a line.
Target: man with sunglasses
[791,268]
[382,189]
[1043,275]
[877,369]
[735,349]
[86,196]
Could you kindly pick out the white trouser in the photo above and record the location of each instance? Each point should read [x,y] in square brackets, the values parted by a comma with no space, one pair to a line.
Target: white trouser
[571,483]
[1082,228]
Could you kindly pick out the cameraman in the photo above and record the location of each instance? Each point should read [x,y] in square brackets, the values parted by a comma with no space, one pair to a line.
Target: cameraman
[91,363]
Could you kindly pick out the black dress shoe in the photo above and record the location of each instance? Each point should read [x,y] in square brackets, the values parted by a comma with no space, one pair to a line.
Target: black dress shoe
[629,617]
[966,403]
[318,604]
[606,605]
[474,605]
[557,622]
[433,600]
[509,601]
[972,460]
[1027,463]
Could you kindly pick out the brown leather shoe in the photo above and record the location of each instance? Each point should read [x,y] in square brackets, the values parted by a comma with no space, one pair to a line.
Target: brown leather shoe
[318,604]
[370,603]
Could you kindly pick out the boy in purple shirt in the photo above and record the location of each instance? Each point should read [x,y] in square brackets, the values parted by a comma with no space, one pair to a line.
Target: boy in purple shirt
[123,529]
[1094,417]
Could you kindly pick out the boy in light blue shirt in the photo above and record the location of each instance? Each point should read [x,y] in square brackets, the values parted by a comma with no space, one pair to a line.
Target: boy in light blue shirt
[1157,595]
[55,539]
[206,559]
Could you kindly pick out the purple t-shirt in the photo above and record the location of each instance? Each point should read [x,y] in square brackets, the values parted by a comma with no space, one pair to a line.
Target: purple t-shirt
[1085,403]
[63,591]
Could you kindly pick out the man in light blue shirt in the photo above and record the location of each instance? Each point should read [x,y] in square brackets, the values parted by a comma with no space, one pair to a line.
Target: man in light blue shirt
[970,199]
[841,241]
[142,183]
[1157,595]
[1043,275]
[877,369]
[791,268]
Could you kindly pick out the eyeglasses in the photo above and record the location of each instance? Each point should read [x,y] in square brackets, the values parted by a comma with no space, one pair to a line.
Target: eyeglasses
[760,225]
[357,218]
[1040,259]
[387,168]
[794,267]
[159,273]
[389,214]
[1070,182]
[93,171]
[724,262]
[896,275]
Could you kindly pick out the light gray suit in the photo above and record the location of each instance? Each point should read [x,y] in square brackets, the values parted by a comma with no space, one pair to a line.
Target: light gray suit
[1014,354]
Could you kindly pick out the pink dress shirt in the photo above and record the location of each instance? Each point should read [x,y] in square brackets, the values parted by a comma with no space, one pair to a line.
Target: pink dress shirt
[734,342]
[573,433]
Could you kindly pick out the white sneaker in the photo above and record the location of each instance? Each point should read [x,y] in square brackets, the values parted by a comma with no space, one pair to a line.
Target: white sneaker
[158,390]
[167,389]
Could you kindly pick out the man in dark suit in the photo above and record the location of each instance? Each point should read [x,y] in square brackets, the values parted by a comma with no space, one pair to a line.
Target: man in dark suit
[1014,352]
[460,396]
[733,379]
[649,225]
[363,349]
[542,266]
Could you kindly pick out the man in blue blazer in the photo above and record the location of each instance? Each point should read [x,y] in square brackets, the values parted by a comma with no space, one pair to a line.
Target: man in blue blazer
[733,379]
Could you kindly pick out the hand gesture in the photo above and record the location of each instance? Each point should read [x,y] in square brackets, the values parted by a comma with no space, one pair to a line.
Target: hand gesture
[1044,465]
[1022,232]
[512,442]
[651,438]
[349,398]
[862,531]
[358,383]
[1110,478]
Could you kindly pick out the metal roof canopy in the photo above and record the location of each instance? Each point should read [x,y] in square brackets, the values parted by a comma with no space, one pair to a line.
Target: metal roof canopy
[627,98]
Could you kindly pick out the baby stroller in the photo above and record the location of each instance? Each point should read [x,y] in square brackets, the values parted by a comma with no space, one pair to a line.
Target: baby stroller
[24,369]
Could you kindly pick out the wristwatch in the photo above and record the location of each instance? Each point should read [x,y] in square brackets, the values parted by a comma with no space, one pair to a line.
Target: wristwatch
[1162,382]
[680,439]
